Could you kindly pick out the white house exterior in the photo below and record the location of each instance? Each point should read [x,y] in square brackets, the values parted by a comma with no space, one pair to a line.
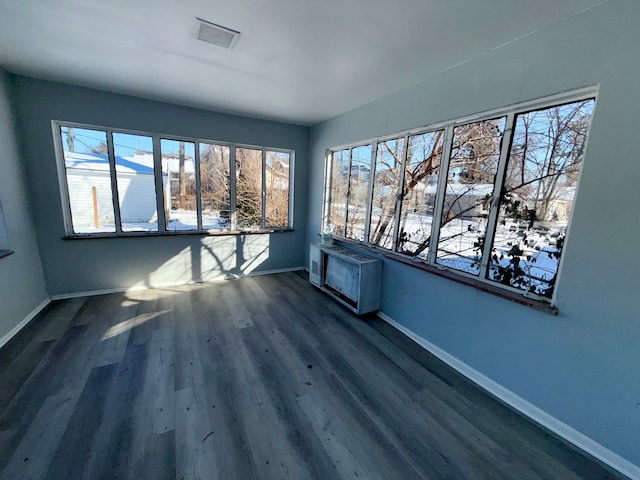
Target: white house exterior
[136,188]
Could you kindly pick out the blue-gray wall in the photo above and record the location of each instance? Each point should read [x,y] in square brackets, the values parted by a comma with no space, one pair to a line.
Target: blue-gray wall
[22,287]
[73,266]
[583,366]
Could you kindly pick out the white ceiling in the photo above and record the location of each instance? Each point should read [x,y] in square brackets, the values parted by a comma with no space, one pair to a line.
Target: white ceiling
[298,61]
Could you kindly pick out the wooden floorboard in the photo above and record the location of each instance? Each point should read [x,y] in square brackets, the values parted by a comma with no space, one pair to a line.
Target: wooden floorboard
[261,377]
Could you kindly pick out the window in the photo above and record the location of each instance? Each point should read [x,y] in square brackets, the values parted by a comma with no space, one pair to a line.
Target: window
[120,183]
[339,179]
[277,178]
[359,178]
[4,241]
[537,197]
[215,185]
[88,177]
[488,199]
[386,185]
[350,175]
[179,165]
[249,187]
[473,164]
[422,167]
[135,180]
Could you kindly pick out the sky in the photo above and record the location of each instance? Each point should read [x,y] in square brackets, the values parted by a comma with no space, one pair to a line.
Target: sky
[125,144]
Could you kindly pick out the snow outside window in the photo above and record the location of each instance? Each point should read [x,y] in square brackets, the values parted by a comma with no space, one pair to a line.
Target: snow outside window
[421,170]
[339,187]
[386,185]
[489,200]
[357,197]
[117,182]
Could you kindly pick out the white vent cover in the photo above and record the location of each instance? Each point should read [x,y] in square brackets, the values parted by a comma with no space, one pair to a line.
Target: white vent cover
[217,34]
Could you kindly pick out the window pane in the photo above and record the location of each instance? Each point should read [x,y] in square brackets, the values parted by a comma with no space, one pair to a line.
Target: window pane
[358,191]
[424,156]
[339,187]
[88,179]
[537,198]
[136,182]
[386,185]
[215,186]
[475,152]
[249,188]
[277,189]
[178,163]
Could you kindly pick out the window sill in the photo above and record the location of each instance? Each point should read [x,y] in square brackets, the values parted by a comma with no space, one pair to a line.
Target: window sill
[6,253]
[185,233]
[472,282]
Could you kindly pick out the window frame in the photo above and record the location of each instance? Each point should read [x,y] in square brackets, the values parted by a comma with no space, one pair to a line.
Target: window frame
[160,199]
[481,280]
[5,251]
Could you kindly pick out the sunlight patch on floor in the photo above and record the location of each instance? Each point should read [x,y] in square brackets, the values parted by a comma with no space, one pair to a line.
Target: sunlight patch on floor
[131,323]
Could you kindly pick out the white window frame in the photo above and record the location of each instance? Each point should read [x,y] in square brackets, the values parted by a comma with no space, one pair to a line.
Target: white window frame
[429,264]
[56,126]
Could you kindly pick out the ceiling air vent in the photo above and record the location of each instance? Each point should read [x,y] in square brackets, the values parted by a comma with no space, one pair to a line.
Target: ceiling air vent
[217,34]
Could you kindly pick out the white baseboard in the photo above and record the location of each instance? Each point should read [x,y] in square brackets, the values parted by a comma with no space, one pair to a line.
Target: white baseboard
[571,435]
[89,293]
[227,276]
[23,323]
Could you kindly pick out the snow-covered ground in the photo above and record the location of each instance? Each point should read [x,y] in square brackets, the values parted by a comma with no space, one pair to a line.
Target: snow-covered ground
[458,245]
[539,251]
[187,220]
[179,220]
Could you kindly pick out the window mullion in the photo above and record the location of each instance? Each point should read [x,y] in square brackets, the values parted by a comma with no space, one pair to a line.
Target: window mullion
[372,174]
[346,199]
[292,174]
[160,193]
[328,186]
[196,159]
[232,187]
[400,194]
[62,179]
[440,194]
[494,201]
[114,182]
[264,189]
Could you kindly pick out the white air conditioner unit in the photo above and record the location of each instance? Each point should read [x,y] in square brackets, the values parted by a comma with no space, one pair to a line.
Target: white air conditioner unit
[315,266]
[352,278]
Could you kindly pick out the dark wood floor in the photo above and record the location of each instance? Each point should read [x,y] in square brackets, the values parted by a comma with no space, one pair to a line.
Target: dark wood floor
[261,377]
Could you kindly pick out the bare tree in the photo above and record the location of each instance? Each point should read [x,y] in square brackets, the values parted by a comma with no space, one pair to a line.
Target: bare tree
[385,191]
[277,189]
[340,167]
[537,196]
[424,157]
[472,167]
[214,177]
[182,178]
[248,187]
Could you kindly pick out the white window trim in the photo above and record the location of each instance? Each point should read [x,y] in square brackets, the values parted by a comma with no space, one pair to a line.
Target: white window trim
[162,228]
[480,280]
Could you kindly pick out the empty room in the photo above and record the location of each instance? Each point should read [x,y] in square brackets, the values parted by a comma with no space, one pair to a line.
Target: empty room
[324,240]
